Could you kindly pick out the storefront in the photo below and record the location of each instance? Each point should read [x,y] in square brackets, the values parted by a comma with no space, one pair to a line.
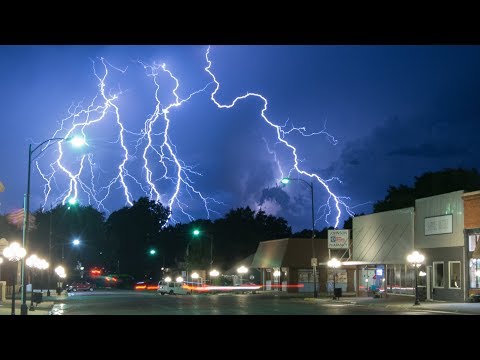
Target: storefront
[439,236]
[471,206]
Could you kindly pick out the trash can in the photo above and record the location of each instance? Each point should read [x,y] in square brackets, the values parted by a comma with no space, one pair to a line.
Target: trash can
[37,297]
[337,292]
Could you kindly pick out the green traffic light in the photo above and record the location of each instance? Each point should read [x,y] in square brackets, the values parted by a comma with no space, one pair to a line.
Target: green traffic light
[72,202]
[196,232]
[153,252]
[285,180]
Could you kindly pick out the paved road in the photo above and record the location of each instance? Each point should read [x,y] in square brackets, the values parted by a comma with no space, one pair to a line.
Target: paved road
[149,303]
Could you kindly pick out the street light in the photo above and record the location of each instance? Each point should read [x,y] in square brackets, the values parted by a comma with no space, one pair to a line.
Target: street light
[34,262]
[60,271]
[14,253]
[213,274]
[242,270]
[76,141]
[197,232]
[416,259]
[195,277]
[31,262]
[334,264]
[285,181]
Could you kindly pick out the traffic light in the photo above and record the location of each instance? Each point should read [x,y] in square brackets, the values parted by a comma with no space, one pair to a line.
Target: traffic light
[152,251]
[72,202]
[196,232]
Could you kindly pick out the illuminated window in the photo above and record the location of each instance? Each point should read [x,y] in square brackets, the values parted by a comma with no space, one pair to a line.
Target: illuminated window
[472,242]
[438,275]
[454,275]
[474,270]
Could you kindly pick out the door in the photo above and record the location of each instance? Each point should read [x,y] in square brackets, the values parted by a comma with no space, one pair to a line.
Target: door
[429,282]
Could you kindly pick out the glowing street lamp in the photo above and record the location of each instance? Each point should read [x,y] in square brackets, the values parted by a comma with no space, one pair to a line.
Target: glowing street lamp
[214,273]
[76,242]
[77,142]
[416,259]
[242,270]
[334,264]
[195,276]
[197,232]
[14,252]
[34,262]
[179,279]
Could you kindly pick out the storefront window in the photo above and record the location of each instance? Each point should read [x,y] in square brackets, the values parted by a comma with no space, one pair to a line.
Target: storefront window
[474,271]
[472,242]
[454,274]
[438,275]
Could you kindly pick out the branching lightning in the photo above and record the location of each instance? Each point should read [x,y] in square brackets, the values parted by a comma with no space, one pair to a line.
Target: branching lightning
[164,176]
[281,134]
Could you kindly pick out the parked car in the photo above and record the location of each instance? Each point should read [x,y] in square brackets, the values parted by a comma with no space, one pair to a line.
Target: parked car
[80,286]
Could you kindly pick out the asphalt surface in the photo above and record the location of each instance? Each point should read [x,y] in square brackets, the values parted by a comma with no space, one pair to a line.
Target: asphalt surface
[125,302]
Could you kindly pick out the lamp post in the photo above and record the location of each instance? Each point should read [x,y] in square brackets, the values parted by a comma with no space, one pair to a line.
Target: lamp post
[14,253]
[314,259]
[60,271]
[213,274]
[76,141]
[334,264]
[195,277]
[32,262]
[416,259]
[197,232]
[35,263]
[242,270]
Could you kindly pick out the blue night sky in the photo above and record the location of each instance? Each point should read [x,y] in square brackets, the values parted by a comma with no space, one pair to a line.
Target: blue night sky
[391,113]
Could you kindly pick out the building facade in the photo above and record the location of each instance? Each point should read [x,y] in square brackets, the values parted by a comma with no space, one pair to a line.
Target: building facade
[439,236]
[471,205]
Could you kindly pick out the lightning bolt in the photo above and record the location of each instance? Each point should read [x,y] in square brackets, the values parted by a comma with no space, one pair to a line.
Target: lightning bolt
[152,141]
[164,176]
[281,134]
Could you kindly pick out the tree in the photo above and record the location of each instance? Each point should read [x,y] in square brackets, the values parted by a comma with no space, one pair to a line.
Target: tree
[239,232]
[429,184]
[67,222]
[132,232]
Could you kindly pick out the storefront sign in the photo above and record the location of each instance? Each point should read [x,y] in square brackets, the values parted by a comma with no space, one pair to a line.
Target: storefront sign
[438,225]
[338,239]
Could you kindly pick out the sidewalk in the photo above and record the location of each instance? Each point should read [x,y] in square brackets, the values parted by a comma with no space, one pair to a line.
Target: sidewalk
[406,303]
[43,308]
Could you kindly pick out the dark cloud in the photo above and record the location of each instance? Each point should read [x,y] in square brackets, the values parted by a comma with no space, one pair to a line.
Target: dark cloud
[431,151]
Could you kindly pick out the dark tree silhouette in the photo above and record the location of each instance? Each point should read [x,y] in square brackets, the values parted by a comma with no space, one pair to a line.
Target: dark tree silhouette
[429,184]
[131,233]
